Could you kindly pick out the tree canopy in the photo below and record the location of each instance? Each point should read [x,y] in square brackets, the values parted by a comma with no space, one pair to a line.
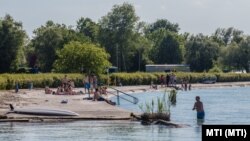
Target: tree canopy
[51,38]
[201,52]
[88,28]
[77,57]
[12,39]
[119,37]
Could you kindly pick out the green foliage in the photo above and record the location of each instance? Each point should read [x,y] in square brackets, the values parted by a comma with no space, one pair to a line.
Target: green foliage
[236,56]
[215,69]
[130,43]
[172,97]
[133,78]
[12,39]
[232,77]
[8,81]
[201,53]
[230,56]
[76,56]
[146,78]
[117,35]
[160,105]
[51,38]
[89,28]
[141,54]
[163,104]
[3,83]
[168,47]
[244,53]
[163,24]
[225,36]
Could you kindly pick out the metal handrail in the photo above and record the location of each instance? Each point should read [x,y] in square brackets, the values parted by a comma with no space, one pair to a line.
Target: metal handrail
[135,99]
[121,97]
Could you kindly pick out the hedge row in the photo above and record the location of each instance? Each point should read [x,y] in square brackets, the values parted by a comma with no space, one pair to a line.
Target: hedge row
[146,78]
[8,81]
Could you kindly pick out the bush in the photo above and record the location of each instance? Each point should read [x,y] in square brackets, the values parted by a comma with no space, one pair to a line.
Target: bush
[232,77]
[8,81]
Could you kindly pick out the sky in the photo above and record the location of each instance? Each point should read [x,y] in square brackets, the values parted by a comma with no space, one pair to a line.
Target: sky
[193,16]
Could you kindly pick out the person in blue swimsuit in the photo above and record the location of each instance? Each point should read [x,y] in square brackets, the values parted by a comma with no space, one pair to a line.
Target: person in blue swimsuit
[198,105]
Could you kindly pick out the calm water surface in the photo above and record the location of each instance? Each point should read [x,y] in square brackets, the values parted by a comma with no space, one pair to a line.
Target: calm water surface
[222,106]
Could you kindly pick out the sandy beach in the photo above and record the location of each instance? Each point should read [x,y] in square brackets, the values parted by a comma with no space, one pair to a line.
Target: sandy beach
[87,109]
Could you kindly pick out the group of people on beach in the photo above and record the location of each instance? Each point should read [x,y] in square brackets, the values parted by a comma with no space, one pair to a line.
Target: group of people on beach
[170,80]
[66,88]
[166,81]
[90,85]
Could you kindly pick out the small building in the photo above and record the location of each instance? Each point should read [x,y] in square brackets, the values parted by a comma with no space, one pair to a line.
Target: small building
[167,67]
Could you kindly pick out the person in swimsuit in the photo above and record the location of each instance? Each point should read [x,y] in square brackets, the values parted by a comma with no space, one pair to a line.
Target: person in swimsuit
[198,105]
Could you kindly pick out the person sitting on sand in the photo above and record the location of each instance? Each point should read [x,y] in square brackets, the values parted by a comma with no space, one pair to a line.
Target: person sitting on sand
[198,105]
[48,90]
[71,92]
[59,90]
[104,90]
[98,97]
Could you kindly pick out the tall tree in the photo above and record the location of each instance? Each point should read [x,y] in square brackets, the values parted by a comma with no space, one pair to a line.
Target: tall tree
[12,39]
[225,36]
[237,56]
[230,57]
[51,38]
[89,28]
[163,24]
[171,49]
[168,47]
[201,53]
[76,56]
[117,34]
[245,53]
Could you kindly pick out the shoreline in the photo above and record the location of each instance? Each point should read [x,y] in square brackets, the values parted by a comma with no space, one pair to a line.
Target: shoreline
[87,109]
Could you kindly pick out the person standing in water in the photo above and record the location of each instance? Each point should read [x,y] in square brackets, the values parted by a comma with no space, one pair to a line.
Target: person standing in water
[198,105]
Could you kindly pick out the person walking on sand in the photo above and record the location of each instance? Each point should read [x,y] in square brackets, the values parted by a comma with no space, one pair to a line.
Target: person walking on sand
[198,105]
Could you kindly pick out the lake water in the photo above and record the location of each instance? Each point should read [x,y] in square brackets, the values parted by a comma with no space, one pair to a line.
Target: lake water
[222,106]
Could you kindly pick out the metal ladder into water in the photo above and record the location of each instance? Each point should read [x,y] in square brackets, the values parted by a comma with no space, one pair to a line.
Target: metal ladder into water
[116,93]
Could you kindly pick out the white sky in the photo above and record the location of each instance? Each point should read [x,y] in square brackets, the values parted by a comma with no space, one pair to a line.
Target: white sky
[193,16]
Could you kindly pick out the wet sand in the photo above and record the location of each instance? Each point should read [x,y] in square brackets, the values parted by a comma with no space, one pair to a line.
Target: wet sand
[87,109]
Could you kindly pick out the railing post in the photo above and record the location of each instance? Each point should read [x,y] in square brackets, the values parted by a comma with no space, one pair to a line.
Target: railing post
[118,98]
